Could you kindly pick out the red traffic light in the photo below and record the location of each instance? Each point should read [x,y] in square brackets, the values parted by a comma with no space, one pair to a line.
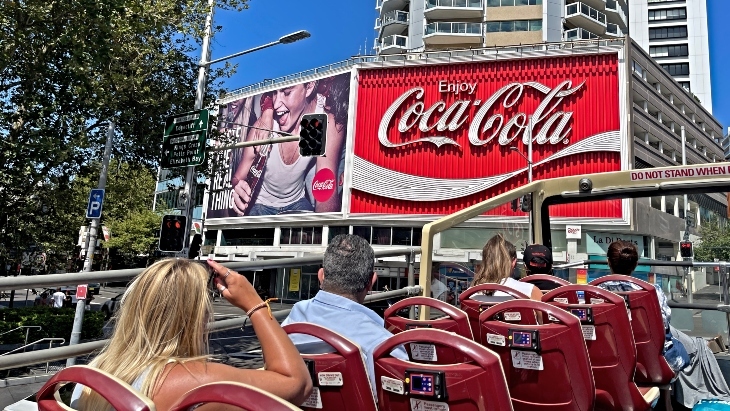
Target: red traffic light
[685,249]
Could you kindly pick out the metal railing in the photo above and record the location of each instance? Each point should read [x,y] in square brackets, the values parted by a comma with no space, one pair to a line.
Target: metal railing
[454,3]
[586,10]
[578,34]
[614,30]
[50,346]
[517,51]
[61,353]
[27,330]
[612,5]
[395,40]
[395,16]
[454,28]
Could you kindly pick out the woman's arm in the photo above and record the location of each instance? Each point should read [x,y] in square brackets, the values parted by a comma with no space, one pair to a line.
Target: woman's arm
[335,143]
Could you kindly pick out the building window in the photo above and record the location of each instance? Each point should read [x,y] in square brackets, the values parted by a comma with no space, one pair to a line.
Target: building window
[337,230]
[253,237]
[685,85]
[381,235]
[638,69]
[211,236]
[305,236]
[659,33]
[513,25]
[402,236]
[503,3]
[678,69]
[362,231]
[679,13]
[679,50]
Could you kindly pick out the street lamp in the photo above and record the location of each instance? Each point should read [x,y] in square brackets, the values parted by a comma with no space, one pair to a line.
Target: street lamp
[528,158]
[288,39]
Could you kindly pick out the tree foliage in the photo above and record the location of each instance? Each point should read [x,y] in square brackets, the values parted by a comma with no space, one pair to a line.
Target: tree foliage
[66,69]
[715,242]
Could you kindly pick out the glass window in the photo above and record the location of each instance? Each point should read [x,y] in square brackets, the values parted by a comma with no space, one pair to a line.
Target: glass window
[535,2]
[402,236]
[493,3]
[507,26]
[260,236]
[508,3]
[337,230]
[417,231]
[317,236]
[381,235]
[535,25]
[211,237]
[492,27]
[307,235]
[679,69]
[285,236]
[296,235]
[667,32]
[522,2]
[362,231]
[521,25]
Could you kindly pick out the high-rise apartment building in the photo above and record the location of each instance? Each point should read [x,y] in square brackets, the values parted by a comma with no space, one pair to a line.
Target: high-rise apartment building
[674,32]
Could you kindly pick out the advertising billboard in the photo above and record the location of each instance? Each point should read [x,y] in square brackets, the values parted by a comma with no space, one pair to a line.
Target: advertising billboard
[274,179]
[433,139]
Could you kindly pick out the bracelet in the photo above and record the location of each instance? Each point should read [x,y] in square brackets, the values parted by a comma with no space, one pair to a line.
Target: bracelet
[262,305]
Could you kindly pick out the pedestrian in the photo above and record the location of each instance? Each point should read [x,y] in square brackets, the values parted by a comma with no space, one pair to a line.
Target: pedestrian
[58,298]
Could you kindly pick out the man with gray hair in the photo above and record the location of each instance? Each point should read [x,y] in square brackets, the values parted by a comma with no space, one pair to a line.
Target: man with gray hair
[346,277]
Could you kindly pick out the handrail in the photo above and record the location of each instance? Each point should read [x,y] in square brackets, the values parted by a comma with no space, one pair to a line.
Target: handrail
[21,327]
[51,339]
[50,280]
[60,353]
[655,263]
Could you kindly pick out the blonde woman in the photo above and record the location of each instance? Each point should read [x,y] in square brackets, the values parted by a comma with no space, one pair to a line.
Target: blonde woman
[160,342]
[496,268]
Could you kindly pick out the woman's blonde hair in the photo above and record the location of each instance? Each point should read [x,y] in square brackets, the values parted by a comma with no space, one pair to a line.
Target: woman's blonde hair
[496,262]
[163,318]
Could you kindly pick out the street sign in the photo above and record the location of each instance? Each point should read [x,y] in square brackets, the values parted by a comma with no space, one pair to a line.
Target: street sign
[81,291]
[96,200]
[691,220]
[183,143]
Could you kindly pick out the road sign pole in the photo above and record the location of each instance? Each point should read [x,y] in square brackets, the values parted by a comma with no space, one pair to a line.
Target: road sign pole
[91,243]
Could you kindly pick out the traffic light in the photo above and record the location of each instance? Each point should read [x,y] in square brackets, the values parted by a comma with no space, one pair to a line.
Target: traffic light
[313,135]
[172,233]
[685,249]
[195,246]
[515,204]
[527,203]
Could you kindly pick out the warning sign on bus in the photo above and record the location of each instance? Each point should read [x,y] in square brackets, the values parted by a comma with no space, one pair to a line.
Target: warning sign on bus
[694,171]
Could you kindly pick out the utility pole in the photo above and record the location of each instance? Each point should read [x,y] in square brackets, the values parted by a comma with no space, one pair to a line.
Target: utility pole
[91,243]
[687,272]
[528,158]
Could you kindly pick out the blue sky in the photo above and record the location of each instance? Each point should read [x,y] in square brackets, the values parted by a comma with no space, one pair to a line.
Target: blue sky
[343,28]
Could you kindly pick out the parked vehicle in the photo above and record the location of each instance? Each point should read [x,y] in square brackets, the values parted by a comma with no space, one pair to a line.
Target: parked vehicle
[111,306]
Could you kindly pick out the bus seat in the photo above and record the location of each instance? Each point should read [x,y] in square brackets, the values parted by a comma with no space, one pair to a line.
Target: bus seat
[475,385]
[340,377]
[610,343]
[455,321]
[243,396]
[473,302]
[539,279]
[546,365]
[648,328]
[118,393]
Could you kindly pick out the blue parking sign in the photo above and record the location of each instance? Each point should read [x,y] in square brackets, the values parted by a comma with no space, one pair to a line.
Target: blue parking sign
[96,200]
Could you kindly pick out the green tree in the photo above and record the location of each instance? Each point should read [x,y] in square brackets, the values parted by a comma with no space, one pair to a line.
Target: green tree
[68,67]
[715,242]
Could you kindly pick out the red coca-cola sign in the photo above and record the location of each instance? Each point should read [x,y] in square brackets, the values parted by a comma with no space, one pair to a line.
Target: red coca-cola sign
[434,139]
[323,185]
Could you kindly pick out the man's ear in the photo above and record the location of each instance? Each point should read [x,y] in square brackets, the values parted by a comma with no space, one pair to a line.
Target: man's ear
[320,276]
[372,283]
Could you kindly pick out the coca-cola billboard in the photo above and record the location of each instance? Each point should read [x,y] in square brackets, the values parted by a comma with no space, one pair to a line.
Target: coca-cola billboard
[274,179]
[433,139]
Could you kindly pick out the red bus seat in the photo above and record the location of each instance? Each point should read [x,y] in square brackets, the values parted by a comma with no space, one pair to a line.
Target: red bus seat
[404,386]
[648,328]
[339,377]
[474,306]
[610,342]
[118,393]
[455,321]
[543,278]
[240,395]
[546,365]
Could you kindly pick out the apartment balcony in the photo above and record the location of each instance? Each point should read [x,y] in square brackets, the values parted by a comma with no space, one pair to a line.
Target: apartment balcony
[454,9]
[393,22]
[393,44]
[386,6]
[578,34]
[453,33]
[376,46]
[615,14]
[584,16]
[614,30]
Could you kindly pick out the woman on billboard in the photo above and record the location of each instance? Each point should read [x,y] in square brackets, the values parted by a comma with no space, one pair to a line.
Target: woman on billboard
[272,179]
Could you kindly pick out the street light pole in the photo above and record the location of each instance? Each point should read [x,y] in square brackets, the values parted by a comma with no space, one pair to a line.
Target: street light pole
[687,272]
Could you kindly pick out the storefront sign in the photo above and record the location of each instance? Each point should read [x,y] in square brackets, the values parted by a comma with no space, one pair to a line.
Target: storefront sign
[597,243]
[573,232]
[295,275]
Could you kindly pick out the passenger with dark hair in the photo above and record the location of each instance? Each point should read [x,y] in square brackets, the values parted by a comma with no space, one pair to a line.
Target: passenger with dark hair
[512,250]
[538,259]
[496,268]
[346,277]
[701,378]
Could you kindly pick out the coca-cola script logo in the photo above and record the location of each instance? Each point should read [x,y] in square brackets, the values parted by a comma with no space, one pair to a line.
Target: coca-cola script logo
[547,125]
[323,185]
